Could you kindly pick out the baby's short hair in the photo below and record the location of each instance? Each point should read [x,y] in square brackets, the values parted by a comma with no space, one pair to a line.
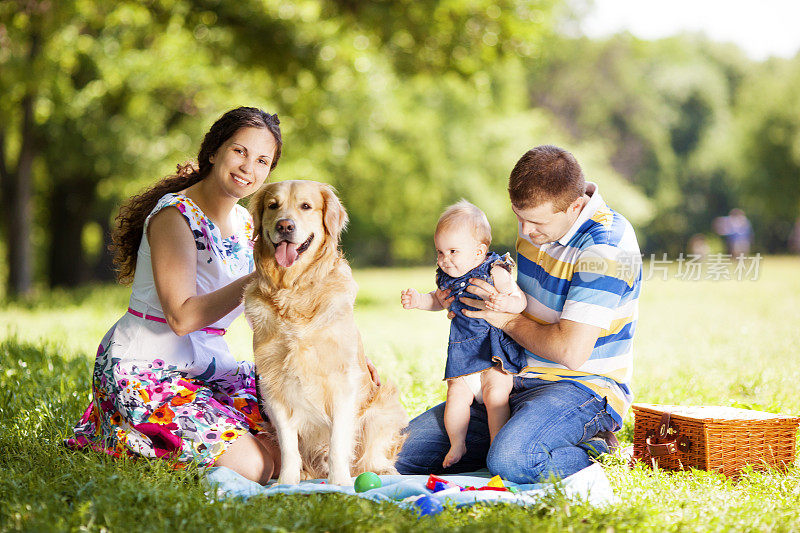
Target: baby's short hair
[464,215]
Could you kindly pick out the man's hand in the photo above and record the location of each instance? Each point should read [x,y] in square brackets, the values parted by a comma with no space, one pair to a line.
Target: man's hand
[564,342]
[444,298]
[410,298]
[485,290]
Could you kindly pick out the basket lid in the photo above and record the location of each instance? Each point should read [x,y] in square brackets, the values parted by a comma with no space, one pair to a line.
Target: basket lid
[711,412]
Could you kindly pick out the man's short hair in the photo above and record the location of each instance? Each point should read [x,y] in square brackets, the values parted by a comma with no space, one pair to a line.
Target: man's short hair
[546,173]
[463,215]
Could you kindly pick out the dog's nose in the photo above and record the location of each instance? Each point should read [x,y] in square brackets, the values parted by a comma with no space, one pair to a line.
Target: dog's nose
[285,225]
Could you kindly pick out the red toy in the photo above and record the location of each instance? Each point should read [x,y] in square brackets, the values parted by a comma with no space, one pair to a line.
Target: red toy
[436,484]
[433,480]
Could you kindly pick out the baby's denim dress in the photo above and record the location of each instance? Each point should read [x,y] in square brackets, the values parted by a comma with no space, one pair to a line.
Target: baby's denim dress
[476,345]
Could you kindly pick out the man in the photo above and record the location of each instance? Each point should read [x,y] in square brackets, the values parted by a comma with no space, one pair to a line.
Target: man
[580,267]
[737,231]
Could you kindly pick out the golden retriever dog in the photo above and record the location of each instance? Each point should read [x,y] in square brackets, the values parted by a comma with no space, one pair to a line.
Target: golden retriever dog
[331,419]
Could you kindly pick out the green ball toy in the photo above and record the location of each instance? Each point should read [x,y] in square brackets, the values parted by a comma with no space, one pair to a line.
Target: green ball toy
[367,481]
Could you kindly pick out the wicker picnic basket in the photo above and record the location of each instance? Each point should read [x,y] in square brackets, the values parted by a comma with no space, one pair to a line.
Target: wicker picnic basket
[721,439]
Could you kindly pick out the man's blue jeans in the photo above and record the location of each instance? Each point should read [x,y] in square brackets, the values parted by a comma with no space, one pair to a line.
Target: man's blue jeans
[547,434]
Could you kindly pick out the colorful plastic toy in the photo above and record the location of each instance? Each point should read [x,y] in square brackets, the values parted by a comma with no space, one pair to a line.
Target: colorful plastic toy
[367,481]
[442,487]
[496,482]
[433,480]
[446,492]
[428,506]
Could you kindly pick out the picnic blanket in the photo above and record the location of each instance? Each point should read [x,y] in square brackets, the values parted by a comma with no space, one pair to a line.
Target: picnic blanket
[590,484]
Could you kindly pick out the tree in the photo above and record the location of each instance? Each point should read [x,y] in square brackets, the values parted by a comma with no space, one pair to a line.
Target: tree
[21,38]
[386,100]
[767,130]
[98,93]
[663,111]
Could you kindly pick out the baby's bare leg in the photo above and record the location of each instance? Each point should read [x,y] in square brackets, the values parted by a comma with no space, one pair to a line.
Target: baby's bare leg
[456,419]
[495,387]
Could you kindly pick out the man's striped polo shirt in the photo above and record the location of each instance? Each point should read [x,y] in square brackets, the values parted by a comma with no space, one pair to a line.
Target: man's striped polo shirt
[591,275]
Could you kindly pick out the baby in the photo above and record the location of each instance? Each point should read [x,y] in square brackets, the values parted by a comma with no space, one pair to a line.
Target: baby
[480,357]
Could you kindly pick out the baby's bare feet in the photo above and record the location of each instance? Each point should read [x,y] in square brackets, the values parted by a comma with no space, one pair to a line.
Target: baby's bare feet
[454,455]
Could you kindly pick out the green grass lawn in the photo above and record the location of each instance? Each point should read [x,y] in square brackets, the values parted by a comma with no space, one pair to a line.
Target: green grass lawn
[698,342]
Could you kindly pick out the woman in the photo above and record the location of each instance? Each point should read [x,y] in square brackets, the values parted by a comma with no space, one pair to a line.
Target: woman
[164,383]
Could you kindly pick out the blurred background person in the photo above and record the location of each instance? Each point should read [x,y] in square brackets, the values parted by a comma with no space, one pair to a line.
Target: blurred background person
[698,245]
[737,231]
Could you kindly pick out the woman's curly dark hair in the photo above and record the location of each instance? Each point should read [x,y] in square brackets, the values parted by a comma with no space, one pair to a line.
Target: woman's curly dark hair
[129,224]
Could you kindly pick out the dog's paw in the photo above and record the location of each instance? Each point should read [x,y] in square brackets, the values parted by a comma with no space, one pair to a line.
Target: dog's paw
[287,478]
[343,479]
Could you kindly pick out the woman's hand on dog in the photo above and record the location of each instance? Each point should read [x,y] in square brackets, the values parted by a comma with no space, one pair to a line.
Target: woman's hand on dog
[485,291]
[373,372]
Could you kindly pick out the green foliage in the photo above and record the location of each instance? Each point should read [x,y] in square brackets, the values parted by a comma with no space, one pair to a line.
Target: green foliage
[693,341]
[404,106]
[663,113]
[462,37]
[769,132]
[369,95]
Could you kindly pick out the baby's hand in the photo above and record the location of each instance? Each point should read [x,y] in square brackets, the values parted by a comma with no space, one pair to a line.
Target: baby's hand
[410,299]
[501,302]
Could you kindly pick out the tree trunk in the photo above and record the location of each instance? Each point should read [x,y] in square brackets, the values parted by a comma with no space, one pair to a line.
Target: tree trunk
[18,193]
[104,268]
[69,206]
[20,247]
[6,186]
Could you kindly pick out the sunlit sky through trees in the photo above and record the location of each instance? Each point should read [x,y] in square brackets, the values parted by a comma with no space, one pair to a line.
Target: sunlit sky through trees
[762,29]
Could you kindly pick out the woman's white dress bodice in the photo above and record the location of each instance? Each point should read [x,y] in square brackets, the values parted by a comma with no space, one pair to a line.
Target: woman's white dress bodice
[220,261]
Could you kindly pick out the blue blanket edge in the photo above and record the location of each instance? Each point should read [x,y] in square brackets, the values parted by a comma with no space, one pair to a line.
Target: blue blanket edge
[590,484]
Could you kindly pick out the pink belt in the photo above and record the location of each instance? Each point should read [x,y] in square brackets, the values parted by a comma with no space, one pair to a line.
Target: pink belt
[212,331]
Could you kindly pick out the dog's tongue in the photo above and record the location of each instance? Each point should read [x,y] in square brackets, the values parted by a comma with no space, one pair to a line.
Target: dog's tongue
[286,253]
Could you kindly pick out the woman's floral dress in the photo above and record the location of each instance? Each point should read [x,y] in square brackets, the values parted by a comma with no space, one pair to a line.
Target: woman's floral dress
[160,395]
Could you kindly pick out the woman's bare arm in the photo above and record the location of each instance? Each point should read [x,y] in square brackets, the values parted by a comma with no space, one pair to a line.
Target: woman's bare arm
[174,259]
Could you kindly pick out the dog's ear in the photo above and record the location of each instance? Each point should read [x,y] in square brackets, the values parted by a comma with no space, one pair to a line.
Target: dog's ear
[334,216]
[256,208]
